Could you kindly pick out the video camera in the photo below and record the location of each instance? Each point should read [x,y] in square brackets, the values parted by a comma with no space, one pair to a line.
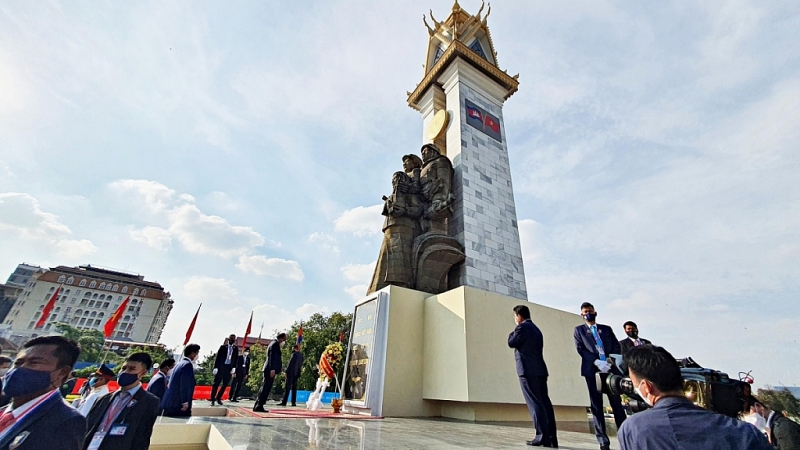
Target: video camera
[707,388]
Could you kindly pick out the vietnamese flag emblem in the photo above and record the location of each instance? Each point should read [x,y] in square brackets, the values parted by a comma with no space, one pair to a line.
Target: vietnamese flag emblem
[108,329]
[48,307]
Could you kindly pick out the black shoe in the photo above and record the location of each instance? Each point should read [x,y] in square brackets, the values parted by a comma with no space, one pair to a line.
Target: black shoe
[294,404]
[260,409]
[605,447]
[281,404]
[212,402]
[234,401]
[533,443]
[219,402]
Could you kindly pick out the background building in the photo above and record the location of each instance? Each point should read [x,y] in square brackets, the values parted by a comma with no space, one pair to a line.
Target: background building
[89,297]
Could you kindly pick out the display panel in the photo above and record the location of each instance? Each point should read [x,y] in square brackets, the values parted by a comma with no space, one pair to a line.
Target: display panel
[361,351]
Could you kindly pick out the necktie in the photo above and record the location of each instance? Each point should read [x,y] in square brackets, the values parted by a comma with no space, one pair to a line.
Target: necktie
[637,343]
[113,411]
[598,343]
[6,421]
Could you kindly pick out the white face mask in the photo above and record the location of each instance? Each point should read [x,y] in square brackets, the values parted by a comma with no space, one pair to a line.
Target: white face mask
[283,343]
[755,419]
[3,372]
[639,393]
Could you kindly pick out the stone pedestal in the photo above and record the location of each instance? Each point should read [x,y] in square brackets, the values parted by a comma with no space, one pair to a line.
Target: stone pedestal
[447,355]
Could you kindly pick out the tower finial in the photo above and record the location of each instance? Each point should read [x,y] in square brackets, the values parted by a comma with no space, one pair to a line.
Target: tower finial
[435,23]
[456,6]
[430,30]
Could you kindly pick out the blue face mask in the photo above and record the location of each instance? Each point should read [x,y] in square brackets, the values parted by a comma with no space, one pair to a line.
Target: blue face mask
[589,317]
[127,379]
[21,381]
[92,382]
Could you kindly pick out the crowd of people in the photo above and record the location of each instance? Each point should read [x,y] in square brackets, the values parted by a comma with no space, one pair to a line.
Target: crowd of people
[671,422]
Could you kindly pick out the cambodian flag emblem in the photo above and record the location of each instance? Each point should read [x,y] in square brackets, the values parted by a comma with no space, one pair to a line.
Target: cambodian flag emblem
[474,113]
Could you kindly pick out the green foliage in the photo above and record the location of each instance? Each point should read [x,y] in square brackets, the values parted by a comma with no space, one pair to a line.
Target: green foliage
[86,372]
[780,400]
[318,332]
[258,355]
[205,375]
[91,342]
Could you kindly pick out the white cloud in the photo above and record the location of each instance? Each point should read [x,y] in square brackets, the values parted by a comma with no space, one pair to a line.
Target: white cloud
[325,242]
[361,221]
[209,289]
[357,292]
[21,215]
[211,235]
[308,309]
[273,267]
[359,272]
[154,196]
[156,237]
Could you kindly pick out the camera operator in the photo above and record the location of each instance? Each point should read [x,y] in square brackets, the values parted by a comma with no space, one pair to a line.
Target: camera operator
[674,421]
[782,432]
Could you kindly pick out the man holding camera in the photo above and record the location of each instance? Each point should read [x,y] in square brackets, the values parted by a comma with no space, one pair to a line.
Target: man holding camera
[595,342]
[674,421]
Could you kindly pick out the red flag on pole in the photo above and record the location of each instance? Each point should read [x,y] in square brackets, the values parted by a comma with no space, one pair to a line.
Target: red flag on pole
[108,329]
[248,330]
[191,327]
[48,307]
[341,336]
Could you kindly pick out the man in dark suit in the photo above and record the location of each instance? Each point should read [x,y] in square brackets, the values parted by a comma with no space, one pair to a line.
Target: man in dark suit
[595,343]
[633,339]
[177,401]
[241,375]
[158,384]
[293,370]
[224,367]
[528,342]
[782,432]
[124,420]
[37,417]
[272,367]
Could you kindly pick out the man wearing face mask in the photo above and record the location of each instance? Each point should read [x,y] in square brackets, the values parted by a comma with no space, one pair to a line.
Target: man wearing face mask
[124,420]
[177,401]
[37,417]
[5,365]
[595,343]
[224,368]
[158,384]
[633,339]
[781,431]
[241,375]
[272,367]
[674,421]
[98,385]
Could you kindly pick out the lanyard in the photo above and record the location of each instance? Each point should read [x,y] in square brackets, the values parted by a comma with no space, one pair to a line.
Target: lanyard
[117,405]
[598,342]
[35,407]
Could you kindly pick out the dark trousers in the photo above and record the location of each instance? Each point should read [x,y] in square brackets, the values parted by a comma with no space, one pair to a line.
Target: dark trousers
[266,388]
[175,412]
[291,384]
[534,389]
[596,402]
[236,386]
[223,376]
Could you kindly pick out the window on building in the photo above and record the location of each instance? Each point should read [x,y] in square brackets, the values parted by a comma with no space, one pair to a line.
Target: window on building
[65,292]
[91,304]
[63,299]
[126,318]
[134,301]
[131,308]
[30,325]
[47,297]
[115,288]
[83,321]
[68,309]
[97,322]
[58,308]
[102,297]
[124,289]
[93,285]
[105,305]
[93,314]
[78,312]
[62,279]
[70,280]
[144,292]
[82,283]
[94,296]
[102,285]
[84,302]
[86,313]
[87,295]
[101,315]
[73,300]
[51,290]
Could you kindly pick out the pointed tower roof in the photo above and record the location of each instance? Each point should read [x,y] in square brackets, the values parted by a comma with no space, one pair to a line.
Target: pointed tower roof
[461,35]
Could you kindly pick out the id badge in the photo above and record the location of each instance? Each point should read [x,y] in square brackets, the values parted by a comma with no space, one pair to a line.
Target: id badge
[97,439]
[118,429]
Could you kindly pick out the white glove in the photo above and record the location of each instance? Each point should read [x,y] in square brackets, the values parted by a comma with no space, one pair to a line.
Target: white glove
[597,363]
[214,372]
[603,366]
[233,371]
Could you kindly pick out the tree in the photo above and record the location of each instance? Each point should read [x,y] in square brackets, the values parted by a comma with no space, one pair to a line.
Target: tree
[258,355]
[780,400]
[318,332]
[91,342]
[204,374]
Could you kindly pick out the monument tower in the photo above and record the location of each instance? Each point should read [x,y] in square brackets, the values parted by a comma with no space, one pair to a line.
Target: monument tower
[461,98]
[430,337]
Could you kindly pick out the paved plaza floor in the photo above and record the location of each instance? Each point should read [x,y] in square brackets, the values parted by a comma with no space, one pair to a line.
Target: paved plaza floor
[248,433]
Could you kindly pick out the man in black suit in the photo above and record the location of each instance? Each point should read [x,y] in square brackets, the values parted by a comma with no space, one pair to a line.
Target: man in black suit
[124,420]
[595,343]
[633,339]
[293,370]
[782,432]
[272,367]
[177,401]
[528,342]
[158,384]
[38,417]
[242,374]
[224,367]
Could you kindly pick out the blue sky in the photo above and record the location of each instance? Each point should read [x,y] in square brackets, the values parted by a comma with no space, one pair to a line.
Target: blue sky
[237,155]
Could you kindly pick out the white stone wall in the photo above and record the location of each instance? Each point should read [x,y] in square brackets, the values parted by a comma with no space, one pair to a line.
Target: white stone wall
[485,218]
